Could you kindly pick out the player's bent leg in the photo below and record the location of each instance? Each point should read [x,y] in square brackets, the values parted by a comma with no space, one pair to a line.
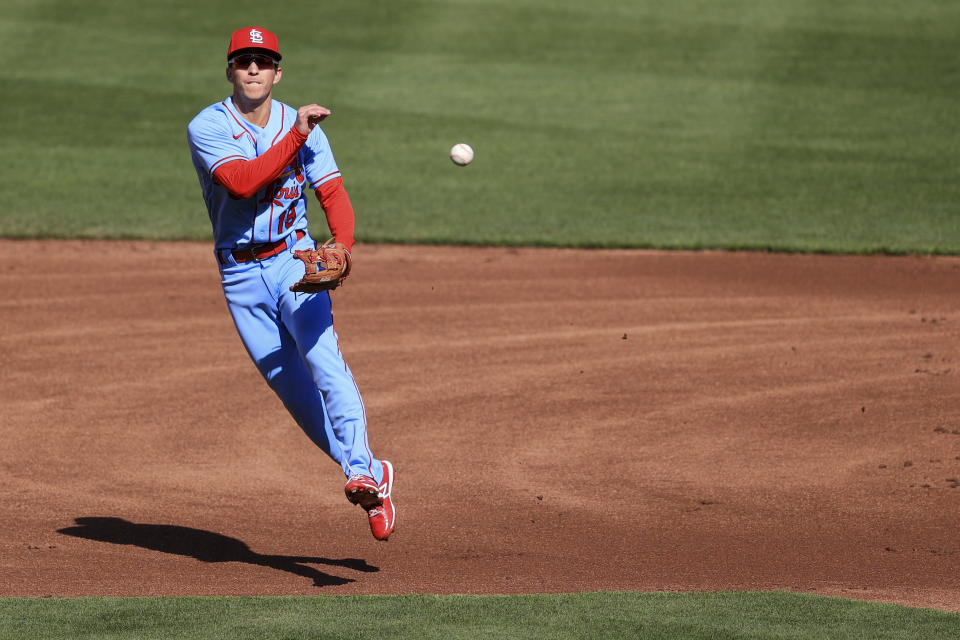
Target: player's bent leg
[309,320]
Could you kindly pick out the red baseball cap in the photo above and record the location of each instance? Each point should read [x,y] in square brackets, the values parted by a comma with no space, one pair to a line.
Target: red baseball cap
[254,38]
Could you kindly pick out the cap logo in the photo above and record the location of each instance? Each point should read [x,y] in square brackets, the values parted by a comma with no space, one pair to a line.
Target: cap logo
[256,37]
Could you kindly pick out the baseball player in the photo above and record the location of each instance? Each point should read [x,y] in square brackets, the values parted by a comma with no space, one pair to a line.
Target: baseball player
[257,159]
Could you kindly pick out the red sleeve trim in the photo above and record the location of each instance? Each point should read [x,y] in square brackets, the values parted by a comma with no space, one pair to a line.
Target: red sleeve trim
[219,162]
[317,183]
[338,209]
[243,178]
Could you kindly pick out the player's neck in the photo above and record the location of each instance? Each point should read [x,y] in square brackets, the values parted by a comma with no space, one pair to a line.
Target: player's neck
[257,113]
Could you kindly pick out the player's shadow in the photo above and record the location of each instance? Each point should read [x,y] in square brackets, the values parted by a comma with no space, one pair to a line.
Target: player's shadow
[207,546]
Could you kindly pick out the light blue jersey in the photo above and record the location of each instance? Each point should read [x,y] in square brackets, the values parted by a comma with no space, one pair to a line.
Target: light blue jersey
[218,135]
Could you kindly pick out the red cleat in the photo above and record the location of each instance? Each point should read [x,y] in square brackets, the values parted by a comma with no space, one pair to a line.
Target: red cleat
[383,517]
[375,500]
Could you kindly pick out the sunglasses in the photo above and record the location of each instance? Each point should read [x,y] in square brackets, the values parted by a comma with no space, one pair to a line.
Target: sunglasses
[243,61]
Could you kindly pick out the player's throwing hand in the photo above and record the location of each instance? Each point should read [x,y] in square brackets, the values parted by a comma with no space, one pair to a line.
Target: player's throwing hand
[310,116]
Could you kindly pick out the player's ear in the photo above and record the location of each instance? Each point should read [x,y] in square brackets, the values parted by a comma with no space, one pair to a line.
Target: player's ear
[276,76]
[229,74]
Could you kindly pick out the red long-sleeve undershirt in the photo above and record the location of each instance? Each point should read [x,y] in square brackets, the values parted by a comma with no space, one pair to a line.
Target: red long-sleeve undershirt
[338,209]
[244,178]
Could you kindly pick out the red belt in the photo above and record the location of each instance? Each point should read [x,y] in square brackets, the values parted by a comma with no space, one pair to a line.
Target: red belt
[263,251]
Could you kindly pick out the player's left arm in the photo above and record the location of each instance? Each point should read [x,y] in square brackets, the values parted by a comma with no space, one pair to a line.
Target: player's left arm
[325,180]
[338,209]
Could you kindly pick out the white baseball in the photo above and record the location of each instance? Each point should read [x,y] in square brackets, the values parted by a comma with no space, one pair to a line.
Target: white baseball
[461,154]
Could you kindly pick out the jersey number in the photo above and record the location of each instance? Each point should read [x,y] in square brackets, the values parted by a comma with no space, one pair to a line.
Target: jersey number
[286,219]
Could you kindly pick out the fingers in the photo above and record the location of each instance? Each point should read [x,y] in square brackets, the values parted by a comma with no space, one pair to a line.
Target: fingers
[310,116]
[319,114]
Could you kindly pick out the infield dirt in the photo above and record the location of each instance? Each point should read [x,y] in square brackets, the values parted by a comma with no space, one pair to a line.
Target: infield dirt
[560,421]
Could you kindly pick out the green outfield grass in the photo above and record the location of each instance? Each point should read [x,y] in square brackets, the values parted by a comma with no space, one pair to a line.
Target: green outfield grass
[717,616]
[806,125]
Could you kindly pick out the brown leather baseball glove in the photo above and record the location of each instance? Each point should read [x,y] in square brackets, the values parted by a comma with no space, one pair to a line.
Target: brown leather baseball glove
[327,267]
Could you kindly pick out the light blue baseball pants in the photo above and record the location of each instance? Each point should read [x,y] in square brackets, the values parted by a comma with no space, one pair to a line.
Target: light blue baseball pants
[291,339]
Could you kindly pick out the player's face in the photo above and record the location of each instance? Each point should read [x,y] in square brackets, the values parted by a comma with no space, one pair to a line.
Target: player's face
[253,77]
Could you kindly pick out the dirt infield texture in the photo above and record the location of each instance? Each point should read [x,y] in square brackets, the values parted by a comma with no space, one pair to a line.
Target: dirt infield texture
[560,420]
